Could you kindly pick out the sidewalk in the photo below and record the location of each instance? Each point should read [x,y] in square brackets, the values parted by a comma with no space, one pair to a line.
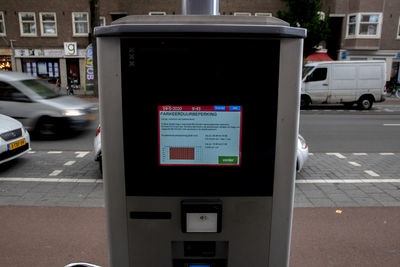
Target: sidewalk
[55,236]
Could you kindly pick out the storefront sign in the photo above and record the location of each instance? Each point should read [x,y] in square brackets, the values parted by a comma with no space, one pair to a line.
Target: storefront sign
[89,71]
[71,49]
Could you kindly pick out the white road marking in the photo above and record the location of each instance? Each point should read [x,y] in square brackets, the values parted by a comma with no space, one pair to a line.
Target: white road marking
[340,156]
[386,154]
[360,154]
[69,163]
[354,163]
[81,154]
[346,181]
[54,152]
[391,124]
[31,152]
[49,180]
[55,173]
[372,173]
[311,154]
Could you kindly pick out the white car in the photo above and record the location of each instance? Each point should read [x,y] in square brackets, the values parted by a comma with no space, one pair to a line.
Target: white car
[302,152]
[14,139]
[97,147]
[37,105]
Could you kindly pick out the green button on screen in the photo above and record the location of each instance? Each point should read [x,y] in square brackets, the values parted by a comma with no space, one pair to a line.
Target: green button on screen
[228,160]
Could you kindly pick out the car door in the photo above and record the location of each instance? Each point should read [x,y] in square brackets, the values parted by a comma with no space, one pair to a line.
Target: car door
[16,104]
[316,85]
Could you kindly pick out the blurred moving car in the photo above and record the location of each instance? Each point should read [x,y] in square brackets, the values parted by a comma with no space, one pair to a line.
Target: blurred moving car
[302,152]
[14,139]
[97,148]
[37,105]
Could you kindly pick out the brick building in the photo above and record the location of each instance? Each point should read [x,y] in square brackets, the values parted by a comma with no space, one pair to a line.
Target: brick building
[48,39]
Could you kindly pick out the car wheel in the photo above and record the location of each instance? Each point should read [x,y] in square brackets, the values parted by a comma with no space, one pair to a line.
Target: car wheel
[101,165]
[365,103]
[46,126]
[304,102]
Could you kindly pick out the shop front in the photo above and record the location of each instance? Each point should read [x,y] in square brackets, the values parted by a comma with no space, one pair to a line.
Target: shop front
[6,60]
[52,64]
[395,72]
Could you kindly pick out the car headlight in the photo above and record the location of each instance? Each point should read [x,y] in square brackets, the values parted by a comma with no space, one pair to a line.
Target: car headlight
[73,112]
[302,142]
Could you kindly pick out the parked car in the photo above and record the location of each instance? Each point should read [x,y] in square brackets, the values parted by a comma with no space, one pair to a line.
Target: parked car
[37,105]
[344,82]
[302,152]
[14,139]
[97,147]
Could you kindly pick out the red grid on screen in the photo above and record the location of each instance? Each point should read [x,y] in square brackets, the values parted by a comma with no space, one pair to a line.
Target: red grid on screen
[181,153]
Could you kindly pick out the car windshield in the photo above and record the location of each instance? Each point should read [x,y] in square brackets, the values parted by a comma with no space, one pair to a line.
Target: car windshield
[40,87]
[306,70]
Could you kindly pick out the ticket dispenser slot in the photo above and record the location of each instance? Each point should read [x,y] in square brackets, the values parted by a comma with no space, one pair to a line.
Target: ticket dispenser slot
[200,253]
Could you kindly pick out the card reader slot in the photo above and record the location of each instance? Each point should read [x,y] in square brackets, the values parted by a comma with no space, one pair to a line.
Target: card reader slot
[150,215]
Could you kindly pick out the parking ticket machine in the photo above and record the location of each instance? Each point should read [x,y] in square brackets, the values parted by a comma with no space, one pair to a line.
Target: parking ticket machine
[199,119]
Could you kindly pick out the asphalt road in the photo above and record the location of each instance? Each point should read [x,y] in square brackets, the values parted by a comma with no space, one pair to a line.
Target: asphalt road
[351,133]
[326,129]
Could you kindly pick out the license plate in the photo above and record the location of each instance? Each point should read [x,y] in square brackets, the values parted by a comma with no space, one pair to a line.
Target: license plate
[16,144]
[90,117]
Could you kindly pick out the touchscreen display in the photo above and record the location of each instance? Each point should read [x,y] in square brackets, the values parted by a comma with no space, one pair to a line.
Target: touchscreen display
[199,135]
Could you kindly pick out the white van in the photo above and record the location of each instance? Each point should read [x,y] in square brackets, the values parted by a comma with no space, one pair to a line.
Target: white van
[344,82]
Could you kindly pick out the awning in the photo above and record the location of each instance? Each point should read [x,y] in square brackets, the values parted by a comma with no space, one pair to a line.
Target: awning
[319,56]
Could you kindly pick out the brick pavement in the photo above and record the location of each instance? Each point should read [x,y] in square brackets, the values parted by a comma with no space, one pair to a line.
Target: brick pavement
[349,180]
[326,180]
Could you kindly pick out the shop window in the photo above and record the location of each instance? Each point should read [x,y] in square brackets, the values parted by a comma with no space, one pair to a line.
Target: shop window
[80,23]
[5,63]
[27,23]
[364,25]
[2,24]
[48,24]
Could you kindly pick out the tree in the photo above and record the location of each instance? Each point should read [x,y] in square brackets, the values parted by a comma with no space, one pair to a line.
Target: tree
[307,14]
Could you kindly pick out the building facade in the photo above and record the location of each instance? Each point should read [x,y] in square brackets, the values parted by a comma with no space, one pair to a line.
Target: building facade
[366,30]
[48,39]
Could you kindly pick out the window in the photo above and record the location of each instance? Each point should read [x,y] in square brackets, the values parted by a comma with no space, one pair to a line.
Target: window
[2,24]
[48,24]
[263,14]
[319,74]
[157,13]
[80,23]
[364,25]
[242,14]
[27,23]
[102,21]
